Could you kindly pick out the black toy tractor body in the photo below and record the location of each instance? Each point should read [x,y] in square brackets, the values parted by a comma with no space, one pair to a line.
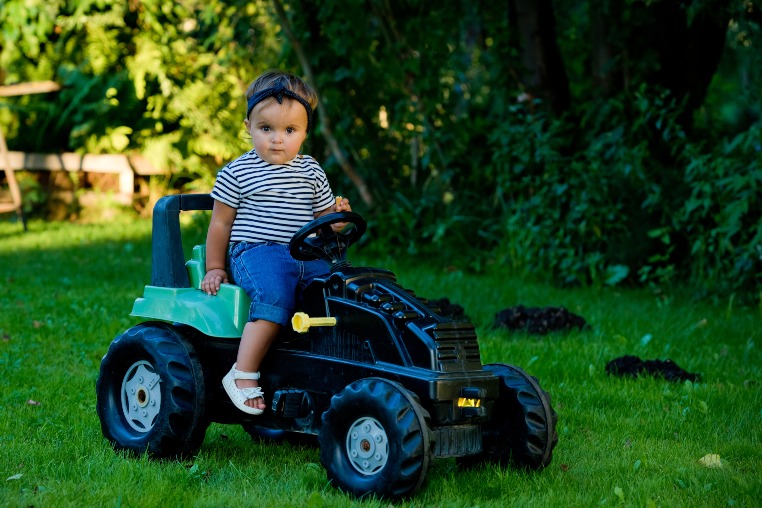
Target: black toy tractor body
[384,382]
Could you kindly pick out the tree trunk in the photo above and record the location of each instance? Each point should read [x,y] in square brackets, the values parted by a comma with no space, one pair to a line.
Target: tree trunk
[687,51]
[544,74]
[606,72]
[705,44]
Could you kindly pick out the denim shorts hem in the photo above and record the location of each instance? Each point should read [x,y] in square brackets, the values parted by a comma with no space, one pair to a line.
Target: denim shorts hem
[259,310]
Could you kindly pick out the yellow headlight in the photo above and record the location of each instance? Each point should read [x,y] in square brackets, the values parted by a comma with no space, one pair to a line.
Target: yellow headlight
[466,402]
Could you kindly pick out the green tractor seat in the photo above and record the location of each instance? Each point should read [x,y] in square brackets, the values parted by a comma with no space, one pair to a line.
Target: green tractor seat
[223,315]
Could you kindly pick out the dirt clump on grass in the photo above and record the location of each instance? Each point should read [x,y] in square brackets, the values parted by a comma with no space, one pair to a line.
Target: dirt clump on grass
[632,366]
[449,309]
[539,320]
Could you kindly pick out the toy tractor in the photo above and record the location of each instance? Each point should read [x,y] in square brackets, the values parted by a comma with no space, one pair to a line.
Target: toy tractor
[384,382]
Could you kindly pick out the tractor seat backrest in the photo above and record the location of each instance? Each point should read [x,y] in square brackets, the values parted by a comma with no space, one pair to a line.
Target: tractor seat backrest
[196,266]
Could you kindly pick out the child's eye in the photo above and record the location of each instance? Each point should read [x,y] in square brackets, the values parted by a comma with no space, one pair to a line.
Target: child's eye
[266,128]
[290,130]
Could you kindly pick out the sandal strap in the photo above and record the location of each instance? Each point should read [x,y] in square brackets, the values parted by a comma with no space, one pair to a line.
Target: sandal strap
[252,392]
[239,374]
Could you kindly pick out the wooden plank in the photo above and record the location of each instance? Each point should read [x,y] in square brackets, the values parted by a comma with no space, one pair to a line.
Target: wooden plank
[29,88]
[119,164]
[91,163]
[143,167]
[72,162]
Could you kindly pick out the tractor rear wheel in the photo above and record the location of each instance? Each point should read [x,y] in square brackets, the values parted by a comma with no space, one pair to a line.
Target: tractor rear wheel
[150,393]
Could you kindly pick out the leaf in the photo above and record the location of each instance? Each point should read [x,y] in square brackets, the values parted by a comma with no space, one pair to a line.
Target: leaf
[616,274]
[14,477]
[619,493]
[33,402]
[711,460]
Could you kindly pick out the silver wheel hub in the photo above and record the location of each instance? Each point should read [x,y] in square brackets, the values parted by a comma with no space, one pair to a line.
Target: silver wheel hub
[141,396]
[367,446]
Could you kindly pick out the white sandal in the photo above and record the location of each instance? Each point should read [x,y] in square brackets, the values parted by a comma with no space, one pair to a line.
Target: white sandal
[239,396]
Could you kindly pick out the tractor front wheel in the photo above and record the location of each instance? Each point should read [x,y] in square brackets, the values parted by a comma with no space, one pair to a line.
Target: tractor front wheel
[375,439]
[522,430]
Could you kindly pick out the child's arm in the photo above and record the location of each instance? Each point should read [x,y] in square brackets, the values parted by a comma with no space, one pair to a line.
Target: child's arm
[217,240]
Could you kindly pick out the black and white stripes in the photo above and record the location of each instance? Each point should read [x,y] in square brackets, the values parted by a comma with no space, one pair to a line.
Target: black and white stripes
[272,201]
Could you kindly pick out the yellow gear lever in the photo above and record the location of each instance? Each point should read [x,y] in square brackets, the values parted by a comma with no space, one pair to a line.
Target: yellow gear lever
[302,322]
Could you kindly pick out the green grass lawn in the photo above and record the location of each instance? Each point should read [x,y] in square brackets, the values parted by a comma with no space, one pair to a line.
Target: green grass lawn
[68,290]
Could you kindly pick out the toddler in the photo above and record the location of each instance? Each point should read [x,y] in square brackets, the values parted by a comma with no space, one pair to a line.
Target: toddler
[260,200]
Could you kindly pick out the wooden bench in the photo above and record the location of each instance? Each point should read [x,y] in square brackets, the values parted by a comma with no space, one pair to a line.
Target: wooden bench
[127,167]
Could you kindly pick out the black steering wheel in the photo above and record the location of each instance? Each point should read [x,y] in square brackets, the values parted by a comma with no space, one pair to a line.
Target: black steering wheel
[327,245]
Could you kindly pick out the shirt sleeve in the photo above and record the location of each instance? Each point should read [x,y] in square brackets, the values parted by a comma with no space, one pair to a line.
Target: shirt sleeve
[226,188]
[323,195]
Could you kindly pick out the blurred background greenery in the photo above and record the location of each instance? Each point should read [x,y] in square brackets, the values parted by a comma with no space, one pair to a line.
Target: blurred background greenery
[612,142]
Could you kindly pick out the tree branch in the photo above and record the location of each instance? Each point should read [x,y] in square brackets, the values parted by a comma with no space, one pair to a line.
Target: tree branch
[325,124]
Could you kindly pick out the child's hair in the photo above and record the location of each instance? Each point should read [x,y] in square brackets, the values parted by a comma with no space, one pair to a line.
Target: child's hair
[275,79]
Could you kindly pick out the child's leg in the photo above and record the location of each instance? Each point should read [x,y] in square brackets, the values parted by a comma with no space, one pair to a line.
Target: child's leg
[255,341]
[268,274]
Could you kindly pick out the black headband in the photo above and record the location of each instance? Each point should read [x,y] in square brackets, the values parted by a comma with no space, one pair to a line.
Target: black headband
[278,92]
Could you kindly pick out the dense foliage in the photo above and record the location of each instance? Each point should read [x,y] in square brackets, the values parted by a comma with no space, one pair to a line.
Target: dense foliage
[617,171]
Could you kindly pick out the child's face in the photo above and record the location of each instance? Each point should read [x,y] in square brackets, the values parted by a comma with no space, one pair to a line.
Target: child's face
[277,130]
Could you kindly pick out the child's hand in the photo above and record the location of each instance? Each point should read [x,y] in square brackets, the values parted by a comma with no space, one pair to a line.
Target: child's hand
[212,280]
[342,205]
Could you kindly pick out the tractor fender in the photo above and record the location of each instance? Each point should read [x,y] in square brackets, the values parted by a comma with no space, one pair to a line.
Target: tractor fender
[220,315]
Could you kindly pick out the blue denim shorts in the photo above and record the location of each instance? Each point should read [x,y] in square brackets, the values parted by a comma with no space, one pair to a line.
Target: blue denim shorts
[271,278]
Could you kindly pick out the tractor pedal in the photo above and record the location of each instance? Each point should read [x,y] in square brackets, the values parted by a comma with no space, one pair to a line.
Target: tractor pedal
[290,403]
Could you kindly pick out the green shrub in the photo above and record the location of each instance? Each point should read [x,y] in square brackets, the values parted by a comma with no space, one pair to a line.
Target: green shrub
[722,215]
[628,198]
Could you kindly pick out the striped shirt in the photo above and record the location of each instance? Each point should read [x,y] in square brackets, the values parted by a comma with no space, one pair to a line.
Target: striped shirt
[272,201]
